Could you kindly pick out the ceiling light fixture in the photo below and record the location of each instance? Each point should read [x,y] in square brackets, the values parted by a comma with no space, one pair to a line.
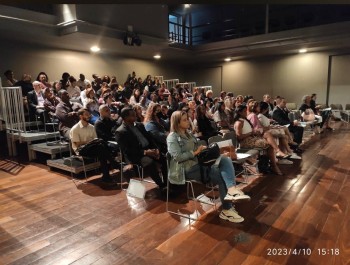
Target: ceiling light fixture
[157,56]
[303,50]
[228,59]
[95,49]
[187,5]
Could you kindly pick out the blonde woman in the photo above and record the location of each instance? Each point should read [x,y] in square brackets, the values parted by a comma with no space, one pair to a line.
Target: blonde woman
[184,148]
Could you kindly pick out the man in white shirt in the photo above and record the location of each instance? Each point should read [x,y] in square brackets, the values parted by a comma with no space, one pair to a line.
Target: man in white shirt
[81,136]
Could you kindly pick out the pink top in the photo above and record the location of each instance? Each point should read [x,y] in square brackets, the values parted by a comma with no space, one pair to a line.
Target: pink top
[253,118]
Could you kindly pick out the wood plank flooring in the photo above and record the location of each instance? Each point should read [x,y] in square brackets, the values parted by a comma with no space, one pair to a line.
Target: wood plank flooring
[300,218]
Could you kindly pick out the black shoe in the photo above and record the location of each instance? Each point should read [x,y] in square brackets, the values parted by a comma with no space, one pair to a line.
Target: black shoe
[298,150]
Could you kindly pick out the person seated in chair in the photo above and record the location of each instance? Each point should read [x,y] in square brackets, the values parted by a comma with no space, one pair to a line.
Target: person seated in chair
[66,113]
[9,79]
[183,148]
[325,114]
[204,124]
[51,101]
[138,147]
[26,84]
[280,115]
[308,112]
[36,101]
[81,135]
[43,79]
[105,127]
[154,125]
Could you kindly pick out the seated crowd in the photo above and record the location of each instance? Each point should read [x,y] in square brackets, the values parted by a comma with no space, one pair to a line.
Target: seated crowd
[147,120]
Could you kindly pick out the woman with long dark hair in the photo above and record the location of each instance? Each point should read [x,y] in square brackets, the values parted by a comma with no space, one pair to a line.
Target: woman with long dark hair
[204,124]
[221,118]
[153,124]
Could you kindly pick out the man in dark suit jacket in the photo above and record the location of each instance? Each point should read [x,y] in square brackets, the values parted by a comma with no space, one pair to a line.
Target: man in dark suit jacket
[280,115]
[36,100]
[138,147]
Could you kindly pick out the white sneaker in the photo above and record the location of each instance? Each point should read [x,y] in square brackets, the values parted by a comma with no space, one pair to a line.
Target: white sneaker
[237,196]
[285,162]
[295,156]
[231,215]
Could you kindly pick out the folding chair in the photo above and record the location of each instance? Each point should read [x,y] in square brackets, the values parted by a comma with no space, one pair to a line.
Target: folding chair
[243,154]
[140,169]
[73,156]
[189,184]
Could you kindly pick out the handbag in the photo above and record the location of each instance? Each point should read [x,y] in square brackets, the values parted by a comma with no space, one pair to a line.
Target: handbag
[208,156]
[90,145]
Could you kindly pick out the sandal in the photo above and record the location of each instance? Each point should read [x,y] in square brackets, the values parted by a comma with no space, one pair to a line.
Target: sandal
[281,155]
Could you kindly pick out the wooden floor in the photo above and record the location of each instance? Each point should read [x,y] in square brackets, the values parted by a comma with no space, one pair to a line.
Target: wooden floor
[293,219]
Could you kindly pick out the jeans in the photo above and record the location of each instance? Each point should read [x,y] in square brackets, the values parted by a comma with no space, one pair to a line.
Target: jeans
[222,175]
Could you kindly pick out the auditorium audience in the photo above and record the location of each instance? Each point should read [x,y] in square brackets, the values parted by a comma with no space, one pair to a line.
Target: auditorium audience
[131,115]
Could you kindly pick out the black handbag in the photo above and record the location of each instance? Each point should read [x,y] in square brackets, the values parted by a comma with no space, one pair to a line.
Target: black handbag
[90,145]
[208,156]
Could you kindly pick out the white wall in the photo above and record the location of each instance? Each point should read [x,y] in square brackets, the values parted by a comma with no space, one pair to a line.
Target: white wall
[27,59]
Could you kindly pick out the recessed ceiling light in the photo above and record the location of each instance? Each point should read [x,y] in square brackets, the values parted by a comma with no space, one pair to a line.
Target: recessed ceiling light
[95,49]
[303,50]
[187,5]
[228,59]
[157,56]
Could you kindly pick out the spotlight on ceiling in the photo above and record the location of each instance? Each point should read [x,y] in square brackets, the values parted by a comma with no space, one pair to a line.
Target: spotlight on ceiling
[157,56]
[187,5]
[95,49]
[228,59]
[303,50]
